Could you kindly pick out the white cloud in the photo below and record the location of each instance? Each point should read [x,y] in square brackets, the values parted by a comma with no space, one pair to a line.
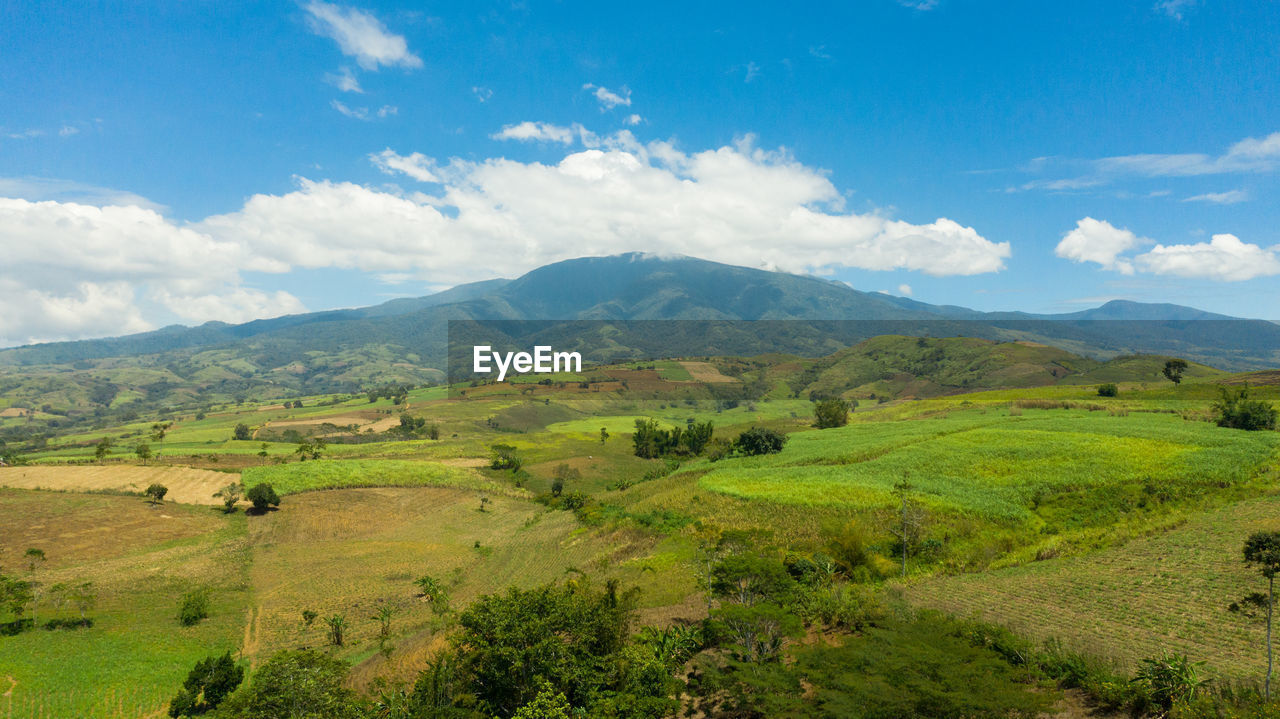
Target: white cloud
[752,72]
[68,131]
[1101,242]
[363,113]
[74,269]
[482,93]
[500,217]
[1248,155]
[633,119]
[609,99]
[344,80]
[25,134]
[919,4]
[541,131]
[415,165]
[1224,258]
[1229,197]
[904,290]
[1174,8]
[43,188]
[360,35]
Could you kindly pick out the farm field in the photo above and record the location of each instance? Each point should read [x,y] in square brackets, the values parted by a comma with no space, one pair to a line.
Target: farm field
[1165,592]
[185,485]
[141,560]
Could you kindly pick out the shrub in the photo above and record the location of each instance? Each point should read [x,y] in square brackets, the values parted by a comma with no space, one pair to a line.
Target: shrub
[263,497]
[759,440]
[241,431]
[1234,409]
[831,413]
[211,681]
[1108,390]
[195,606]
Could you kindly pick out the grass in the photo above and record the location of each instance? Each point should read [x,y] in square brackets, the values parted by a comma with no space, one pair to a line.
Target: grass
[1168,591]
[141,560]
[297,477]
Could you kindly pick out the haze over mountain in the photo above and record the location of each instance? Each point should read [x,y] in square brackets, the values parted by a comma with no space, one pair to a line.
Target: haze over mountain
[631,287]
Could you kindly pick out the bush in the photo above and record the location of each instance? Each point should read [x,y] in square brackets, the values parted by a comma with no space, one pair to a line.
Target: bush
[831,413]
[759,440]
[211,681]
[1234,409]
[241,431]
[1108,390]
[263,497]
[195,606]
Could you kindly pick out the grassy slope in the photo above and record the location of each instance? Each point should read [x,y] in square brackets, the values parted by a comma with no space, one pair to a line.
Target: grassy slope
[141,560]
[1165,591]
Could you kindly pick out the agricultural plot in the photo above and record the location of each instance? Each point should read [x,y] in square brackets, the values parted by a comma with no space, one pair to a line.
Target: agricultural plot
[351,552]
[1168,591]
[339,474]
[140,560]
[185,485]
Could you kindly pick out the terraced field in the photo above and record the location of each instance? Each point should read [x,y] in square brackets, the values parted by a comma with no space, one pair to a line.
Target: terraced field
[1168,591]
[186,485]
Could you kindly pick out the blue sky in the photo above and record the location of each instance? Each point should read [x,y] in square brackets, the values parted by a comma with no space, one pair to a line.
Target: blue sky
[179,162]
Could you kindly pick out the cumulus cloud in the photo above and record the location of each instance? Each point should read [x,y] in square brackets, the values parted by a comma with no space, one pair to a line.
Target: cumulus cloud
[607,98]
[73,270]
[540,131]
[904,290]
[500,217]
[1229,197]
[361,36]
[633,119]
[1101,242]
[1225,258]
[737,204]
[415,165]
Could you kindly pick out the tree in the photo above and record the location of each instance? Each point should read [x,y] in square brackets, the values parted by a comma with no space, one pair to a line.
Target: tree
[303,684]
[910,519]
[16,594]
[210,682]
[505,457]
[1108,390]
[384,616]
[229,495]
[143,450]
[101,449]
[604,434]
[1234,409]
[35,558]
[1262,551]
[831,413]
[759,440]
[262,451]
[241,432]
[1173,370]
[35,590]
[156,493]
[263,497]
[337,629]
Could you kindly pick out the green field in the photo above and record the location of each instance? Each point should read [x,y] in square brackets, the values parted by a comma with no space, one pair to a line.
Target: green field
[346,473]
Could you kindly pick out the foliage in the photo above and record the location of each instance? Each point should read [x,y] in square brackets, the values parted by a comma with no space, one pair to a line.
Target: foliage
[759,440]
[505,457]
[337,629]
[1169,679]
[195,607]
[1173,370]
[829,413]
[303,684]
[156,493]
[565,635]
[1234,409]
[143,451]
[229,495]
[651,441]
[1108,389]
[548,704]
[209,682]
[263,497]
[241,432]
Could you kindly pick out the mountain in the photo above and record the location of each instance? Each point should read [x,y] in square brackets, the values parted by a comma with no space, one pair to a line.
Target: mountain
[605,306]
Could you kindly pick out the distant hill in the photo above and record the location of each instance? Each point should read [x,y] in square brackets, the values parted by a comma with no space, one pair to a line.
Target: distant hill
[404,340]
